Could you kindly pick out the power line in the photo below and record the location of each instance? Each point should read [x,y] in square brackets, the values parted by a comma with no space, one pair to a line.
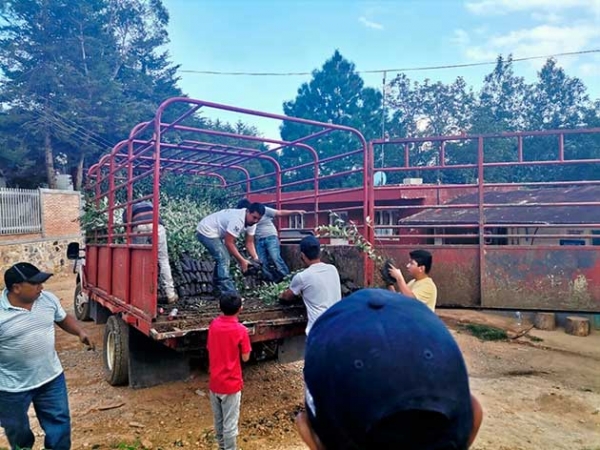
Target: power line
[381,71]
[67,129]
[87,131]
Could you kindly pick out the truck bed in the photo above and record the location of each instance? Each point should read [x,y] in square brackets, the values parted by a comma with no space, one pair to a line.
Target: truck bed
[196,313]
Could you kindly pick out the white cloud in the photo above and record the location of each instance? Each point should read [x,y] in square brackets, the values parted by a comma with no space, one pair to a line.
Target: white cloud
[501,7]
[370,24]
[536,41]
[565,38]
[461,37]
[546,17]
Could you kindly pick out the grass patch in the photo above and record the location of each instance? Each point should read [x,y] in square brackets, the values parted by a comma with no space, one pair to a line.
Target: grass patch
[535,339]
[486,332]
[125,446]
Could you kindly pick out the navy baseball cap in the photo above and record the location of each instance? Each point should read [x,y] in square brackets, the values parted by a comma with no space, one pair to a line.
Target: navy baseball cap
[24,272]
[309,243]
[383,371]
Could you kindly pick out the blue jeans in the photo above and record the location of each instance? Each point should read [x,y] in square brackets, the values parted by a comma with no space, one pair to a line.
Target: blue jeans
[268,248]
[221,277]
[51,405]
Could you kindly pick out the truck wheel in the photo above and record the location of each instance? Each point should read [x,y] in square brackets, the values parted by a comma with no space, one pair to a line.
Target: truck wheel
[81,304]
[116,351]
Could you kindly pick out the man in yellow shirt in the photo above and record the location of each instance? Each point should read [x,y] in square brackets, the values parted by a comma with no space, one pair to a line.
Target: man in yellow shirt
[421,287]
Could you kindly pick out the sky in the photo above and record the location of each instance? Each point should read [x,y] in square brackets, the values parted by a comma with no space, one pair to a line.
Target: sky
[286,36]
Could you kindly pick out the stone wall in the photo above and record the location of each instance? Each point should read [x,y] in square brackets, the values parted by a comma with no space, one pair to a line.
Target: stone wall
[47,255]
[48,249]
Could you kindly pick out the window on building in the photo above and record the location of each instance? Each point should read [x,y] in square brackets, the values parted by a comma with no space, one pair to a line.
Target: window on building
[296,221]
[384,218]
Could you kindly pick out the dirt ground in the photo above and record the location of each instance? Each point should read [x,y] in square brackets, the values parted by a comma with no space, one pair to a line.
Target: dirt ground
[536,395]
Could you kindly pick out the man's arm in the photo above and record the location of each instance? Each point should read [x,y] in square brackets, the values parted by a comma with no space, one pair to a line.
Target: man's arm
[233,251]
[401,282]
[250,246]
[289,212]
[72,326]
[287,296]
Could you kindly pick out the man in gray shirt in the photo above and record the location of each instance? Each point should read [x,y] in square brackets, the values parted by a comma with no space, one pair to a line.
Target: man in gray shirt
[319,284]
[268,247]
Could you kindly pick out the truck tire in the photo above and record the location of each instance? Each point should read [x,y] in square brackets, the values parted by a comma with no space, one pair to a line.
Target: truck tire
[116,351]
[81,305]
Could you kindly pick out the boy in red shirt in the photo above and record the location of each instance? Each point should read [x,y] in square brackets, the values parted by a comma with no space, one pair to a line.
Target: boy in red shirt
[227,341]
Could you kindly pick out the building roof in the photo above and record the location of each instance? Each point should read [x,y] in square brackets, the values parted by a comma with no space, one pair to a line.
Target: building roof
[520,206]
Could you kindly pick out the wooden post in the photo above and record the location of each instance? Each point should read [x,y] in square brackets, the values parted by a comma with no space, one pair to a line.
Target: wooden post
[577,326]
[545,321]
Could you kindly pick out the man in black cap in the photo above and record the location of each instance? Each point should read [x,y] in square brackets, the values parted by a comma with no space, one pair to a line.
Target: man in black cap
[30,371]
[141,217]
[386,375]
[318,285]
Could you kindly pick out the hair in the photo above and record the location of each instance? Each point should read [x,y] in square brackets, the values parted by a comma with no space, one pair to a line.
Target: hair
[243,203]
[422,258]
[256,207]
[413,429]
[230,303]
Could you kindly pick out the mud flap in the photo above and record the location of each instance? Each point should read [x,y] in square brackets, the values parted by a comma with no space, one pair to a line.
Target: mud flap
[152,363]
[291,349]
[98,313]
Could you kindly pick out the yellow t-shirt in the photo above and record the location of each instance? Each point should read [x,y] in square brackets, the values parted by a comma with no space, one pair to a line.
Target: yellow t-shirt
[425,291]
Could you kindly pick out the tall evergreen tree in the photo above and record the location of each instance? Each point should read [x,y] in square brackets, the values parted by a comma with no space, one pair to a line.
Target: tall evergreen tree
[336,94]
[87,71]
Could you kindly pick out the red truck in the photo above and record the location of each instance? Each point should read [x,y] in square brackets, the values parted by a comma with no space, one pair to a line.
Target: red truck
[117,280]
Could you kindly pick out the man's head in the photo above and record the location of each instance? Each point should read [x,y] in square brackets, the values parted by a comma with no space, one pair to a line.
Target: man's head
[384,372]
[25,281]
[243,204]
[254,213]
[420,263]
[310,249]
[230,303]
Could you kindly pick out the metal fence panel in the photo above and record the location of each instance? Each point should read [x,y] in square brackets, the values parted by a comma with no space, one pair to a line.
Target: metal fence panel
[20,211]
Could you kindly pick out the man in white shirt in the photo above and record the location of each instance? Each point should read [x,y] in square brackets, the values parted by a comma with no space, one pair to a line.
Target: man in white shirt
[218,233]
[268,246]
[319,284]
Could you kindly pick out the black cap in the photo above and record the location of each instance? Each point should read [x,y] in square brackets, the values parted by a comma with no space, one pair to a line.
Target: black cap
[310,246]
[375,364]
[24,272]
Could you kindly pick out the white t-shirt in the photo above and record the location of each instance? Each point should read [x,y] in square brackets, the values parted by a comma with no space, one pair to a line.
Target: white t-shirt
[231,221]
[265,226]
[319,286]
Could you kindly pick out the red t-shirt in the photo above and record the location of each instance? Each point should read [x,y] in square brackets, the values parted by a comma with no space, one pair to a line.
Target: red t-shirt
[227,340]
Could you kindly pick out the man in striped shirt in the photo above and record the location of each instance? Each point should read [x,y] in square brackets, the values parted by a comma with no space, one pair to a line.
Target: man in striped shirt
[30,371]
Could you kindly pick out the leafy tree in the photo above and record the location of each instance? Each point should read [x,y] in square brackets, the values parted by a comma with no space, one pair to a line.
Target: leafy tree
[336,94]
[501,107]
[74,65]
[427,109]
[558,101]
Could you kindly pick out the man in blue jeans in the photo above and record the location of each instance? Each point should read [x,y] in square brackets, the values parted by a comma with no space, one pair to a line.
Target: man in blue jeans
[268,247]
[218,233]
[30,371]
